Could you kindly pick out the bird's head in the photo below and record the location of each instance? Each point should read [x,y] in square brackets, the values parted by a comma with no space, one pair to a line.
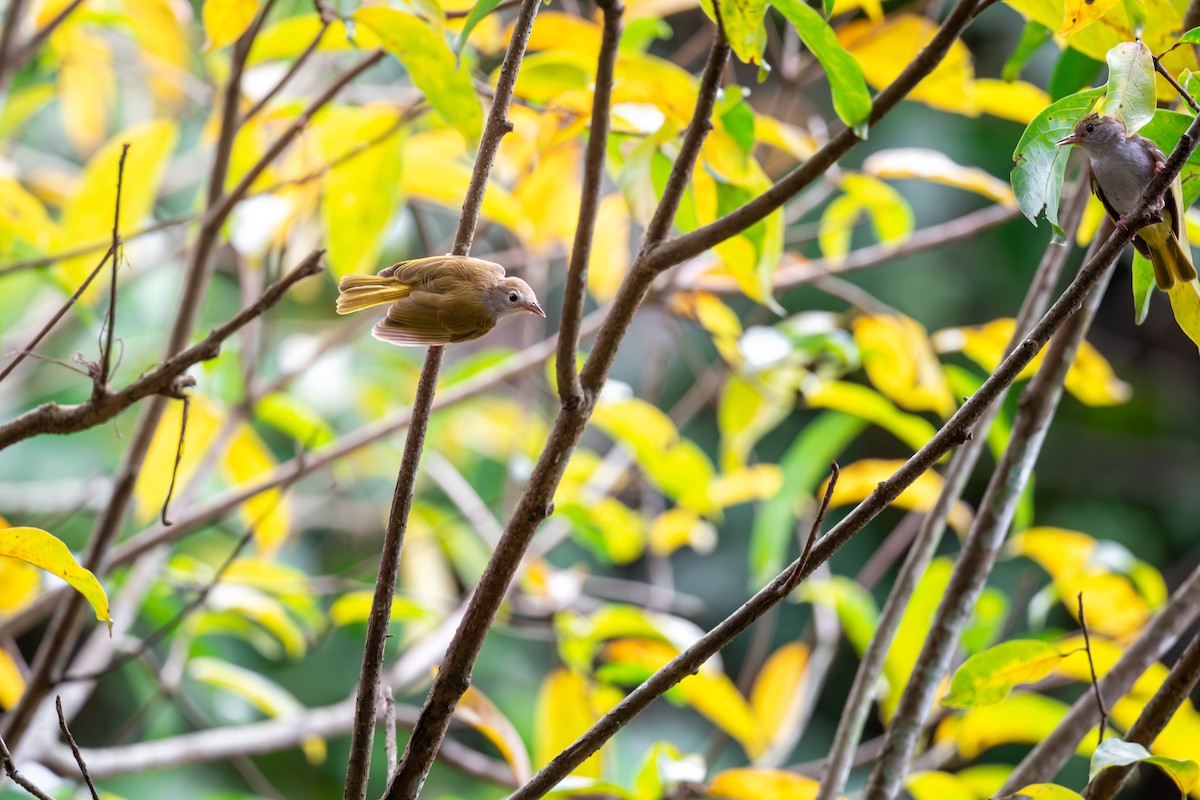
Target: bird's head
[511,295]
[1095,133]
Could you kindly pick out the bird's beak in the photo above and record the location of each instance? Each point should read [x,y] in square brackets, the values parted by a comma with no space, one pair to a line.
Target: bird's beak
[1072,139]
[535,308]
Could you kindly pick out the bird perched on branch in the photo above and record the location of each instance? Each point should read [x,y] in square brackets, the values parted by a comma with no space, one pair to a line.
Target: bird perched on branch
[1122,168]
[437,300]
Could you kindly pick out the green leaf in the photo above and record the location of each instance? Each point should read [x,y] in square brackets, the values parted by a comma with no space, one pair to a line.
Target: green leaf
[1072,72]
[1191,37]
[1120,753]
[987,621]
[295,418]
[639,34]
[986,678]
[865,402]
[1032,38]
[851,98]
[1038,175]
[1130,95]
[480,10]
[431,64]
[1185,305]
[804,465]
[1047,791]
[855,607]
[743,23]
[1143,286]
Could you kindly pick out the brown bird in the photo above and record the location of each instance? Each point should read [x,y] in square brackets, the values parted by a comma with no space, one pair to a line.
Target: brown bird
[1122,168]
[437,300]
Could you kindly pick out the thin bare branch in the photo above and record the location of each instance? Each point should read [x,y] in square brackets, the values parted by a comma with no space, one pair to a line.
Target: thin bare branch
[692,244]
[791,275]
[1154,717]
[164,379]
[30,48]
[66,732]
[10,768]
[928,536]
[1087,646]
[1048,756]
[49,326]
[287,76]
[101,385]
[977,557]
[683,665]
[366,708]
[1183,93]
[535,504]
[570,391]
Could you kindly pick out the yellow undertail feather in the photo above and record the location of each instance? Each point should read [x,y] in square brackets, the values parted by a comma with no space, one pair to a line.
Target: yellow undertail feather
[1171,264]
[356,292]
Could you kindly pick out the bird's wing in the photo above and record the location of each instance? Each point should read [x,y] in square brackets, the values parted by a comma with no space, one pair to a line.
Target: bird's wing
[1114,215]
[419,319]
[428,273]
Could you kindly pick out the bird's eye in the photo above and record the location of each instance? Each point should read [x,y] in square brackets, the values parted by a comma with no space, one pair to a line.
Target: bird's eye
[513,297]
[1090,128]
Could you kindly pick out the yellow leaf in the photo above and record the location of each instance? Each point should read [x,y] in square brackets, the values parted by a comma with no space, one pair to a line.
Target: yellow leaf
[19,582]
[677,527]
[88,214]
[12,682]
[1163,18]
[1015,100]
[899,360]
[635,422]
[1060,552]
[23,218]
[1021,719]
[1185,304]
[778,683]
[165,48]
[556,30]
[935,785]
[749,783]
[859,479]
[360,194]
[1078,14]
[226,20]
[936,167]
[756,482]
[41,549]
[86,86]
[355,607]
[866,403]
[884,50]
[751,407]
[890,215]
[267,696]
[155,477]
[246,603]
[645,78]
[564,711]
[434,170]
[480,713]
[246,459]
[610,248]
[1090,379]
[709,692]
[289,37]
[549,196]
[794,141]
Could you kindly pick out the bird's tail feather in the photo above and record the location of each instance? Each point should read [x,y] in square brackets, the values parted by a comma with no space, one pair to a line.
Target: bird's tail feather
[356,292]
[1171,264]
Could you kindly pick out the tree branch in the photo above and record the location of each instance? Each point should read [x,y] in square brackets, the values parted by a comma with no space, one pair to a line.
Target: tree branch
[10,768]
[163,379]
[570,391]
[805,272]
[1048,756]
[66,732]
[692,244]
[412,770]
[683,665]
[1154,717]
[978,555]
[101,385]
[933,524]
